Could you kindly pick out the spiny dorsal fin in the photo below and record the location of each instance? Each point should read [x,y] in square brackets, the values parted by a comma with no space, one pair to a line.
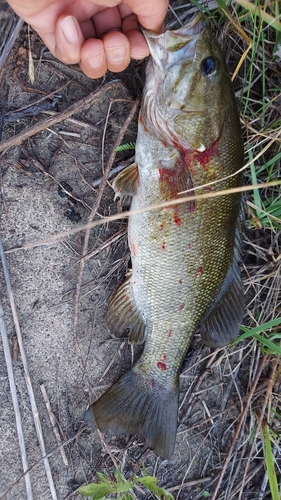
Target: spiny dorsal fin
[123,314]
[126,182]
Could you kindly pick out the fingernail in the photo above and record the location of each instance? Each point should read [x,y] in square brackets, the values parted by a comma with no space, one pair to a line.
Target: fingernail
[116,54]
[70,29]
[97,59]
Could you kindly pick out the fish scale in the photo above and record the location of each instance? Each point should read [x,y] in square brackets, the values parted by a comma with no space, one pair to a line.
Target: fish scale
[185,257]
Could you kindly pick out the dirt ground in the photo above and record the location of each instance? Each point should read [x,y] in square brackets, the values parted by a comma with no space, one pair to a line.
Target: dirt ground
[47,188]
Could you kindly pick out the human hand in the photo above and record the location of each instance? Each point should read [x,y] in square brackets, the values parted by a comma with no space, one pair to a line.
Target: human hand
[97,34]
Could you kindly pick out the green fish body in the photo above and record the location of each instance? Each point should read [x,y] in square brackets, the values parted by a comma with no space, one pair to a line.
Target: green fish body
[185,257]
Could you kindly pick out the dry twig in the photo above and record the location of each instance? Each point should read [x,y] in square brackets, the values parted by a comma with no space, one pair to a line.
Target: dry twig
[9,365]
[59,117]
[34,408]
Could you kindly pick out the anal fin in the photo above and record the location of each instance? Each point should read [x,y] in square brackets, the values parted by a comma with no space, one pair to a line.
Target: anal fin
[123,314]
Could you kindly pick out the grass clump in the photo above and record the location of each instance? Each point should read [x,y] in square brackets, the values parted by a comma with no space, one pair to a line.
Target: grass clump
[123,488]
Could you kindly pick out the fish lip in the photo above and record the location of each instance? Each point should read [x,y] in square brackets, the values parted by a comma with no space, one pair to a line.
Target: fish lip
[194,27]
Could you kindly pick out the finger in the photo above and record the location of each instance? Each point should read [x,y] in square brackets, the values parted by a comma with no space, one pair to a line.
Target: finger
[107,20]
[117,51]
[138,46]
[88,29]
[150,14]
[69,40]
[93,60]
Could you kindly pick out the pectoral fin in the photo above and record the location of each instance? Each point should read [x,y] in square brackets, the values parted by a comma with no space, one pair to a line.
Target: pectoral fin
[221,326]
[123,314]
[126,182]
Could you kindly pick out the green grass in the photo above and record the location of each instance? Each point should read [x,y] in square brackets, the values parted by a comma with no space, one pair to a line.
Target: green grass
[123,488]
[270,341]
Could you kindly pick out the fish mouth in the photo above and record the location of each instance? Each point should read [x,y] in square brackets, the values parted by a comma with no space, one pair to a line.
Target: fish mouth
[174,46]
[174,40]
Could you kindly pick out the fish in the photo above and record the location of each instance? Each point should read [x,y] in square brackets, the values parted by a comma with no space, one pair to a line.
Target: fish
[185,258]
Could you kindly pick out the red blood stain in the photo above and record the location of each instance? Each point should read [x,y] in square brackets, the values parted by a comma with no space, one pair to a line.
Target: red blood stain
[164,245]
[182,306]
[173,181]
[177,218]
[153,384]
[161,227]
[127,297]
[170,334]
[199,272]
[162,366]
[180,282]
[205,157]
[134,249]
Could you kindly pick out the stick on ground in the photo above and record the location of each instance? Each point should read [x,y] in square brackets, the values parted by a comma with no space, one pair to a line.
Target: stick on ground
[35,412]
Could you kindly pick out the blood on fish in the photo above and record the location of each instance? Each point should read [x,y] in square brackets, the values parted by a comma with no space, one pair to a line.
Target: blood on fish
[199,272]
[180,282]
[174,180]
[205,157]
[182,306]
[152,383]
[177,218]
[162,366]
[161,227]
[170,334]
[164,245]
[127,297]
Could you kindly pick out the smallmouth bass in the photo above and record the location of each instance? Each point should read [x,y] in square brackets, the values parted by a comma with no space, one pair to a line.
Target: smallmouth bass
[185,258]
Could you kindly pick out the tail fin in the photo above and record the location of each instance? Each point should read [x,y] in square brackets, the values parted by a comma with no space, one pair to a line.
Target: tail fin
[135,406]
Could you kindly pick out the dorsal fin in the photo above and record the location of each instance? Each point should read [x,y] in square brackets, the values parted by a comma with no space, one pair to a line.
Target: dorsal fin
[221,326]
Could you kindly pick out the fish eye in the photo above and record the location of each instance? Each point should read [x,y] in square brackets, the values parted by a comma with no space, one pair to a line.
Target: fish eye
[208,66]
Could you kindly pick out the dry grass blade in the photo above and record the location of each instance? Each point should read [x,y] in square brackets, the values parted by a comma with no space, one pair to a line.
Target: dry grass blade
[53,422]
[5,494]
[9,365]
[9,42]
[241,420]
[271,381]
[59,117]
[27,376]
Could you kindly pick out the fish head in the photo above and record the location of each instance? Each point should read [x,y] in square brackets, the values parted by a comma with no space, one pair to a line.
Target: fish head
[188,81]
